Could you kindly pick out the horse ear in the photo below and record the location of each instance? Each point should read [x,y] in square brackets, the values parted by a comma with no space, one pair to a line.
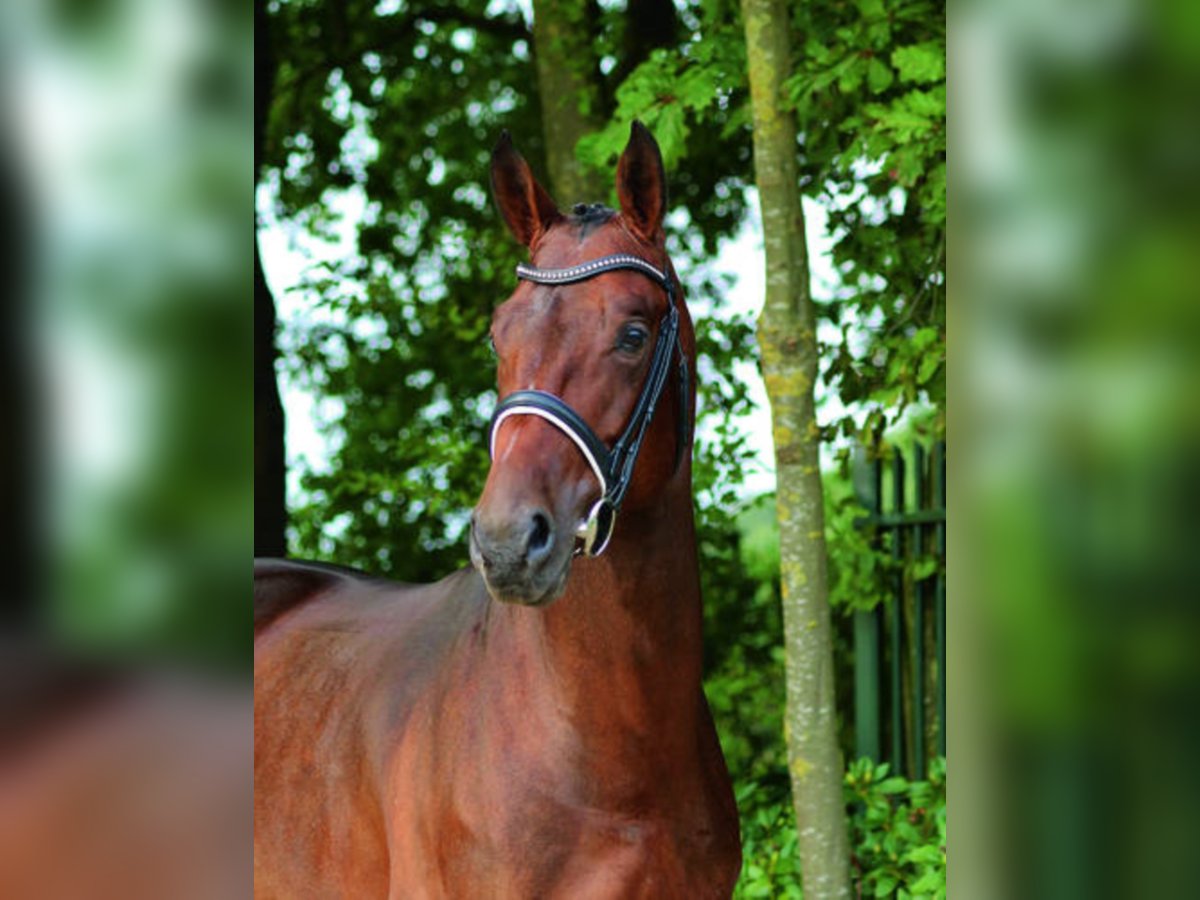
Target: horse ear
[524,203]
[642,184]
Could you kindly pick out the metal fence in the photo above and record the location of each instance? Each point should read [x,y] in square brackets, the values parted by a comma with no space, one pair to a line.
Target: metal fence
[900,646]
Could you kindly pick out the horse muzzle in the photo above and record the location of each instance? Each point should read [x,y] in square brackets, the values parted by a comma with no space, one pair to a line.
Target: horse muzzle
[523,557]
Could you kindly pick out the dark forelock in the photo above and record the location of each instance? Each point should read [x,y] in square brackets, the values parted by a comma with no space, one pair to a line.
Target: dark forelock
[588,216]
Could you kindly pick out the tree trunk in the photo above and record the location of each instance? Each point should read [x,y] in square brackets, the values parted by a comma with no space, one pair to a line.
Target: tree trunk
[23,447]
[649,24]
[270,472]
[569,87]
[787,340]
[270,469]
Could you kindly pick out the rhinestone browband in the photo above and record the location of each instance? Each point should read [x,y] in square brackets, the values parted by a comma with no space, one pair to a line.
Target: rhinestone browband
[586,270]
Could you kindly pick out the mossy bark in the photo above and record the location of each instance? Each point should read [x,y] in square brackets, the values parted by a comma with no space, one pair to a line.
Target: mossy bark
[569,87]
[787,340]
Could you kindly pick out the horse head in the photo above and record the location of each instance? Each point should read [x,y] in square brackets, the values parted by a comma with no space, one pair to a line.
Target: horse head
[594,350]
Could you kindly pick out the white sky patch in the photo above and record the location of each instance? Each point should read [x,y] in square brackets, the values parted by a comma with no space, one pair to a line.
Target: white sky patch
[288,251]
[743,258]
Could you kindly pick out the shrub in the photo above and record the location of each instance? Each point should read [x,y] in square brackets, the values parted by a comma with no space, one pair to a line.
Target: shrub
[897,833]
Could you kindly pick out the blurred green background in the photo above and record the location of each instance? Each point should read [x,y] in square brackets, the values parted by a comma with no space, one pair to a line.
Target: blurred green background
[1075,626]
[129,141]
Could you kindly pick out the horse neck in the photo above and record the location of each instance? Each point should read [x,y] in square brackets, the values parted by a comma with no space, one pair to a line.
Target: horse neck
[621,649]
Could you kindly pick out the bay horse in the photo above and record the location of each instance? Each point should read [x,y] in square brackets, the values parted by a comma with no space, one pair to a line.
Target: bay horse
[534,725]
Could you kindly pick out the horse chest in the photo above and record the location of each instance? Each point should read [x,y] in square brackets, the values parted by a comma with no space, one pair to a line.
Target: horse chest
[582,855]
[489,800]
[516,838]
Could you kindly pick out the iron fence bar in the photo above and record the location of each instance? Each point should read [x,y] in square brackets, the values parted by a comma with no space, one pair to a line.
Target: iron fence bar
[939,498]
[866,684]
[918,629]
[867,628]
[897,620]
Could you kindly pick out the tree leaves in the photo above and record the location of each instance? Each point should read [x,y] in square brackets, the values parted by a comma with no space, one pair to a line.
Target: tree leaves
[923,63]
[670,91]
[879,76]
[404,104]
[898,829]
[874,147]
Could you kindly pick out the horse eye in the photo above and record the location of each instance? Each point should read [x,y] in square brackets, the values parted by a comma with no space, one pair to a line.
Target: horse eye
[632,339]
[492,345]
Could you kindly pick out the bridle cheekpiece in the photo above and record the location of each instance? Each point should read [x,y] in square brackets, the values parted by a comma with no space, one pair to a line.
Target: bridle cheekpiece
[613,467]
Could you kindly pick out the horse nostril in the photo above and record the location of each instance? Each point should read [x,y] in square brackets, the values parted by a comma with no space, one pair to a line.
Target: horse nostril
[541,538]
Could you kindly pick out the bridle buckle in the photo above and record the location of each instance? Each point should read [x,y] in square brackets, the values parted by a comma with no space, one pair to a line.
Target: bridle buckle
[595,531]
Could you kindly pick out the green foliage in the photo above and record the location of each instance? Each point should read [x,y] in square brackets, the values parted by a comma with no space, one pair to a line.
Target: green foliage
[898,831]
[396,340]
[672,91]
[744,645]
[858,571]
[898,835]
[397,111]
[861,570]
[922,63]
[870,93]
[770,861]
[721,454]
[744,648]
[401,345]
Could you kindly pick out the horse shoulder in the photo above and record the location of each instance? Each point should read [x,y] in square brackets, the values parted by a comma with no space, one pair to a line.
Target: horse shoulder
[336,680]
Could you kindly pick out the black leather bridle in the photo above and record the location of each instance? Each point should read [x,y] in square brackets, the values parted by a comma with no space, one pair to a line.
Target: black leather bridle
[613,467]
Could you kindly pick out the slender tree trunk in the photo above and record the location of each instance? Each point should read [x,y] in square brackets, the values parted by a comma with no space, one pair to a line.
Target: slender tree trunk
[569,87]
[270,507]
[22,448]
[270,470]
[787,339]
